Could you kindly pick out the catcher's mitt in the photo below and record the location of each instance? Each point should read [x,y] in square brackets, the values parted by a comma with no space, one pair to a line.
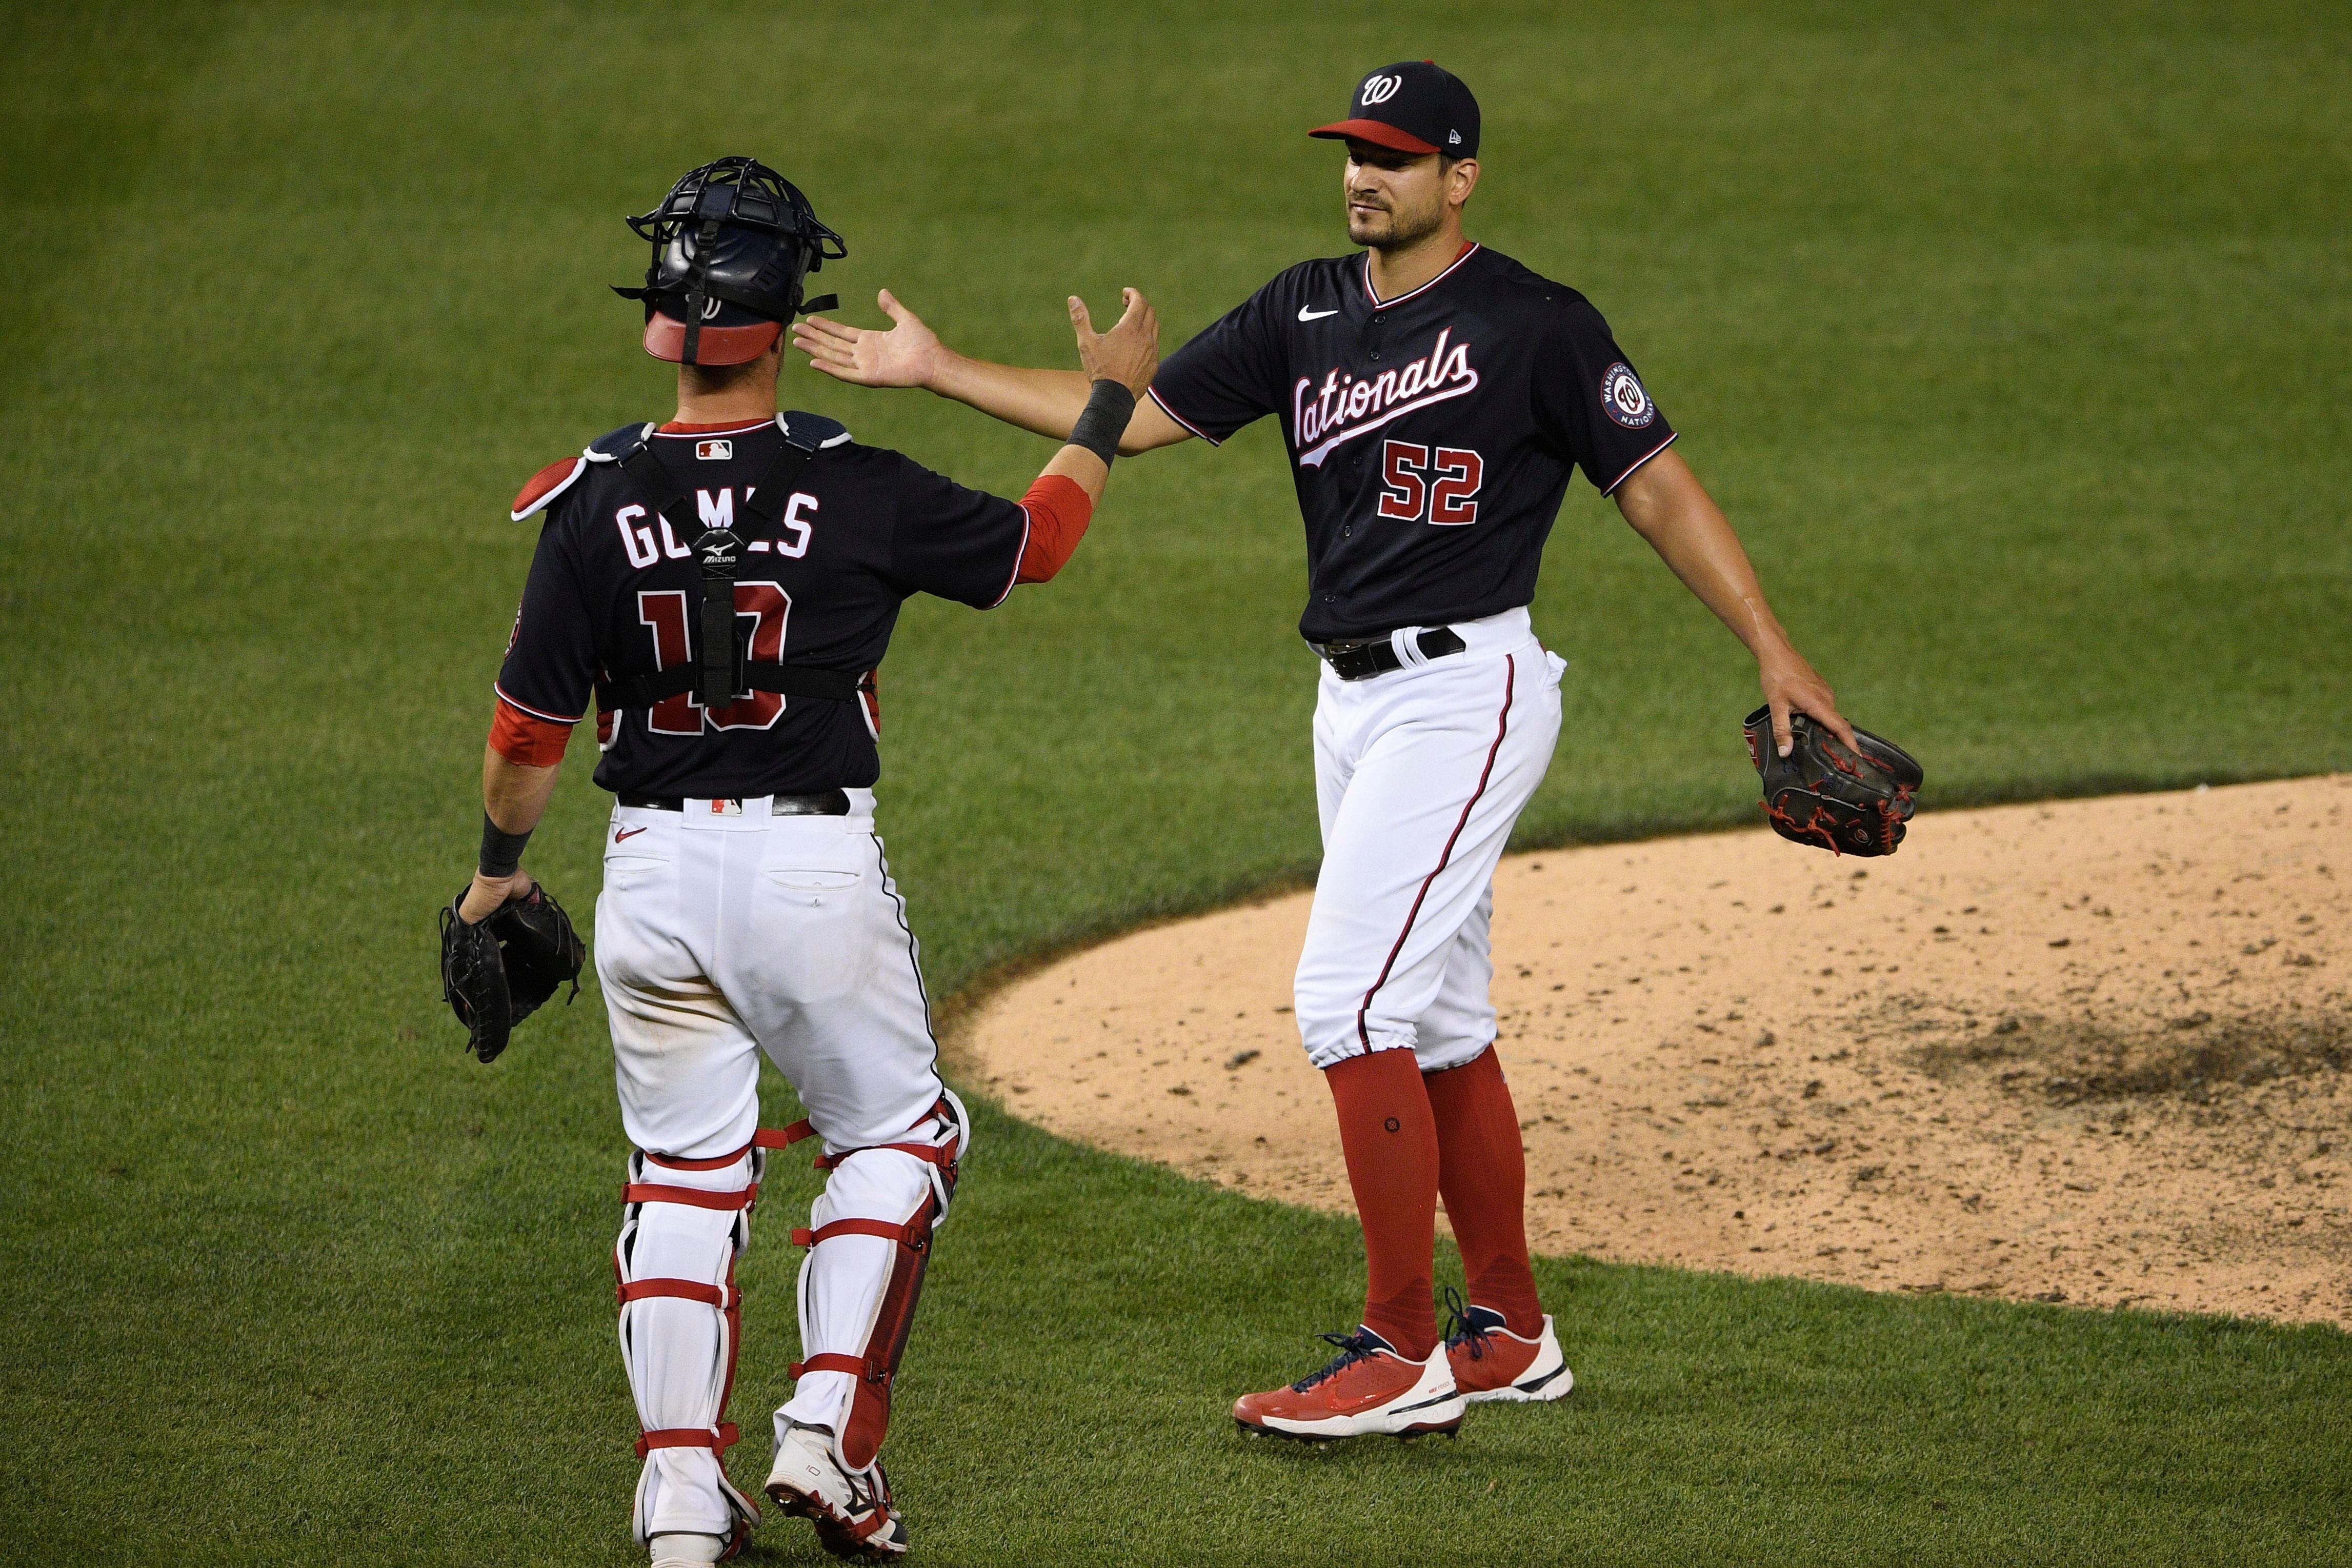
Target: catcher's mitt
[1824,794]
[495,973]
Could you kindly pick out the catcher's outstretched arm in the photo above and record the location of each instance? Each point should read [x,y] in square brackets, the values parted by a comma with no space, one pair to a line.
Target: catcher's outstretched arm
[1668,507]
[910,355]
[515,796]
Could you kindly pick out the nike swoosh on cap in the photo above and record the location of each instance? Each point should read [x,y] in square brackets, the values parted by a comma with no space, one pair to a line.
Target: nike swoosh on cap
[1307,315]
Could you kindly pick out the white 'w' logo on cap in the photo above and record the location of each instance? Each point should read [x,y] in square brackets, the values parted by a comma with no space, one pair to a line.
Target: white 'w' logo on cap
[1381,89]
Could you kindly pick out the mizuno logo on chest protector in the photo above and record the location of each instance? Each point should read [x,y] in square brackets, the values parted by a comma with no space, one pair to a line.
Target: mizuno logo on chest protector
[1346,405]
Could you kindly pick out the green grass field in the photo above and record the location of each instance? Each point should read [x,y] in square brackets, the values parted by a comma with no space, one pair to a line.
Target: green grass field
[2014,337]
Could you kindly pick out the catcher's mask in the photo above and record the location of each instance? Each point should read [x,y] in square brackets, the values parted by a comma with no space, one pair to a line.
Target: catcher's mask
[732,242]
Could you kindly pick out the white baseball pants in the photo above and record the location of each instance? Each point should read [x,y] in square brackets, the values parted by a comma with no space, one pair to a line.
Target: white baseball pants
[722,934]
[1419,775]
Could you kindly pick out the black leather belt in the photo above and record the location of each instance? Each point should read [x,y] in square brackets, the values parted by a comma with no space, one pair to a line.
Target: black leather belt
[825,803]
[1378,656]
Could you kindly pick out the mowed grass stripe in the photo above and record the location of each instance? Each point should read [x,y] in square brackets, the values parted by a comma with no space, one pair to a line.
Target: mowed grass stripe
[2015,344]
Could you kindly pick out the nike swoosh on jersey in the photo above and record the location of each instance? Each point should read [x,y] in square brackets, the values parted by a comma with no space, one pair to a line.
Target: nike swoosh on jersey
[1307,315]
[627,833]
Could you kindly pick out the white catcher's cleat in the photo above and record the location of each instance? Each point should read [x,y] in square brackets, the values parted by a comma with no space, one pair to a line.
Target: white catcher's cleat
[851,1509]
[675,1550]
[1490,1363]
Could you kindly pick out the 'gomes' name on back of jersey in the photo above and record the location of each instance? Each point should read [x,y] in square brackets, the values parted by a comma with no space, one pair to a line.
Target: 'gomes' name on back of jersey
[1346,405]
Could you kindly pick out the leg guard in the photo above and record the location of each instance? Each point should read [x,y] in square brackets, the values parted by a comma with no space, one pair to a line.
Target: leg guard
[683,1224]
[870,1242]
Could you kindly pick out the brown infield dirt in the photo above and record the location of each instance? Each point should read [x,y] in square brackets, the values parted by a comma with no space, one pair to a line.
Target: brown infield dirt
[2091,1051]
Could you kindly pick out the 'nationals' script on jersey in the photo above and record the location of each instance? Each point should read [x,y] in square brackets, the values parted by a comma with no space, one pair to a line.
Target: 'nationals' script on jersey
[1431,435]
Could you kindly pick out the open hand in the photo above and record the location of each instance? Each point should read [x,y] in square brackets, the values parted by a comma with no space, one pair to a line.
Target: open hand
[1792,685]
[489,895]
[1130,353]
[909,355]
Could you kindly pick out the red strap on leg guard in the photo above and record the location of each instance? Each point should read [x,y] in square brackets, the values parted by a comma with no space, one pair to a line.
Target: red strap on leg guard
[943,1155]
[765,1137]
[911,1235]
[782,1137]
[854,1366]
[718,1162]
[693,1197]
[726,1300]
[717,1442]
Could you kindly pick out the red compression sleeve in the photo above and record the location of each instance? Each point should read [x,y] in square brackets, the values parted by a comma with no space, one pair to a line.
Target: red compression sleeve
[1058,512]
[526,741]
[1481,1170]
[1390,1139]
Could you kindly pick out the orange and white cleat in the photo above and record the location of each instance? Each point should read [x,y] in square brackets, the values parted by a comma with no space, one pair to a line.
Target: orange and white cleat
[1369,1390]
[1490,1363]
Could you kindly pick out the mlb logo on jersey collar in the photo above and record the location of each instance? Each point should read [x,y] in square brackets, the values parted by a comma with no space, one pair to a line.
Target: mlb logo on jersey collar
[714,451]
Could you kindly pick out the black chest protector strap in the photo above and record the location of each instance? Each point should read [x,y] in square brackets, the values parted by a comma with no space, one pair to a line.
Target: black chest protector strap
[790,679]
[720,671]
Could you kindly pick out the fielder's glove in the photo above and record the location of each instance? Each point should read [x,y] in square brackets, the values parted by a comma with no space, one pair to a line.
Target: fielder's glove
[1824,794]
[495,973]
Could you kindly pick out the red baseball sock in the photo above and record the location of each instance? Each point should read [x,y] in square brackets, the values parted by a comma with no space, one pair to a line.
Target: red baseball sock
[1392,1147]
[1483,1171]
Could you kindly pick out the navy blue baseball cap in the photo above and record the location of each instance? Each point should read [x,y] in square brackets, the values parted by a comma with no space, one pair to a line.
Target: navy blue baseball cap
[1413,106]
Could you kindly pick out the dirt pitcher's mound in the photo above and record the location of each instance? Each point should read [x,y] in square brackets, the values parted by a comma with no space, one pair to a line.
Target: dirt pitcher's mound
[2095,1051]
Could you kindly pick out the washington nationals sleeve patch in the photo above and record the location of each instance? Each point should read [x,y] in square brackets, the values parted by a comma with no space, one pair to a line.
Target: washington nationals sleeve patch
[1623,399]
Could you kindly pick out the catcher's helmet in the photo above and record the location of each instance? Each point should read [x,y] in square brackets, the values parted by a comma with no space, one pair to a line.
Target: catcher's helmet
[732,242]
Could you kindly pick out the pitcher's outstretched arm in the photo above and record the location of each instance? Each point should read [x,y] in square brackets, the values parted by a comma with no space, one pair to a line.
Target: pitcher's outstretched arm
[909,354]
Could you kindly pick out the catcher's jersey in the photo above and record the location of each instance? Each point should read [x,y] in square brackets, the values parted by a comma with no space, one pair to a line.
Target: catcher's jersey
[613,590]
[1431,435]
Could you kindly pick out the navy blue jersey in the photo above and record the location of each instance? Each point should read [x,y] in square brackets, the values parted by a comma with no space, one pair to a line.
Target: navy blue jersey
[1431,435]
[612,592]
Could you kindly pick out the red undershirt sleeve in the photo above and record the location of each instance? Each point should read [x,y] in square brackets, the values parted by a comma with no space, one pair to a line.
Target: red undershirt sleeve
[1058,511]
[526,740]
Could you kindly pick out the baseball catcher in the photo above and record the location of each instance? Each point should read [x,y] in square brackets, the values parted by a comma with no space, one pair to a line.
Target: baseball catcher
[719,591]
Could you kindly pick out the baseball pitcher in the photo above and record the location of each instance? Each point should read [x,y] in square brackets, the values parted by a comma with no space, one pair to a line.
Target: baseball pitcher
[1435,398]
[722,588]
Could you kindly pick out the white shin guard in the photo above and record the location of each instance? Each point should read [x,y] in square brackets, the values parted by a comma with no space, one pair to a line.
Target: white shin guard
[870,1242]
[685,1223]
